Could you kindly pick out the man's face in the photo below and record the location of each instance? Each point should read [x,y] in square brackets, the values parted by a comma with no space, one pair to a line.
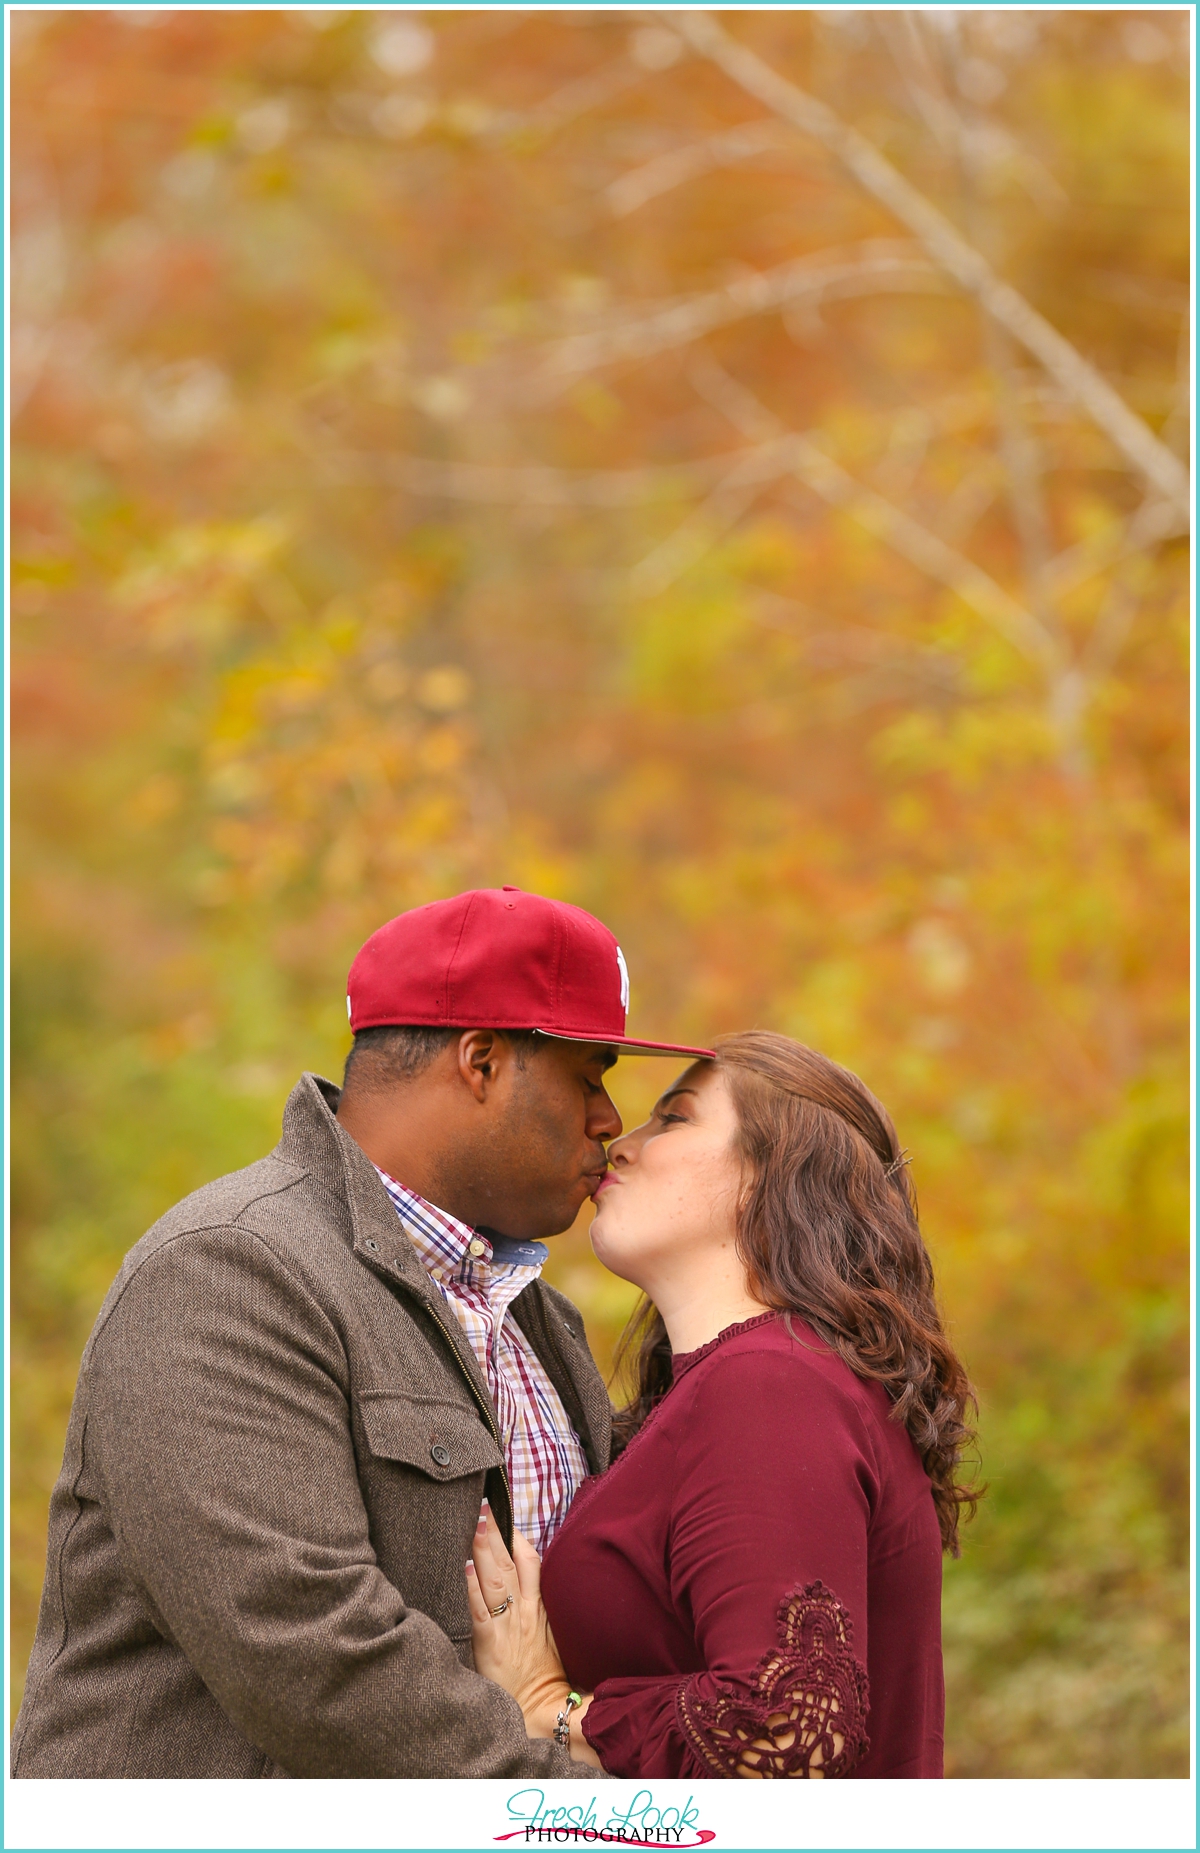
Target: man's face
[546,1153]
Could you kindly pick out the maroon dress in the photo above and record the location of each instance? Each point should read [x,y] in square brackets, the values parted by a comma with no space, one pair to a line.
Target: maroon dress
[754,1587]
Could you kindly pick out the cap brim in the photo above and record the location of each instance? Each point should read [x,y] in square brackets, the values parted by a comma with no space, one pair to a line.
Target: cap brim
[631,1046]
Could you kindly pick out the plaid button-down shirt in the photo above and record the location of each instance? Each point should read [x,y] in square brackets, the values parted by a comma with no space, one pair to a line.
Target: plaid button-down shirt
[545,1458]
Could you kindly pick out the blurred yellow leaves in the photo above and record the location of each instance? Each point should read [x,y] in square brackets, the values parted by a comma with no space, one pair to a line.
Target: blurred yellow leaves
[443,690]
[940,956]
[195,587]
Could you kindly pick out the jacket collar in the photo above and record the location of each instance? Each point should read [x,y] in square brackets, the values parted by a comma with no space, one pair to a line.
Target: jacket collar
[314,1140]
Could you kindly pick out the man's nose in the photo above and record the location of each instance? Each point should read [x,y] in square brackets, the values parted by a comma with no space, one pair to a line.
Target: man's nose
[604,1122]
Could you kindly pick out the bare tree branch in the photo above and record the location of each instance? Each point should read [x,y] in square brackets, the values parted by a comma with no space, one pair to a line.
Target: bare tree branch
[720,511]
[591,91]
[670,170]
[1019,449]
[811,466]
[40,254]
[981,144]
[535,485]
[945,245]
[972,495]
[1114,621]
[1154,521]
[924,550]
[876,264]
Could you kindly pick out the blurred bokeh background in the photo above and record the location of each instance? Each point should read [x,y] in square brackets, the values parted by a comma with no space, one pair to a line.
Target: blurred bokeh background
[457,448]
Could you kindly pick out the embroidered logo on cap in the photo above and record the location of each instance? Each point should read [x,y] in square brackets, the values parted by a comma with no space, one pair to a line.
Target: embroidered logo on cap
[624,971]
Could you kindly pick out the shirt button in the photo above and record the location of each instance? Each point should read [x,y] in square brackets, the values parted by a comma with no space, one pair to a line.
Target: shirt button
[476,1247]
[441,1455]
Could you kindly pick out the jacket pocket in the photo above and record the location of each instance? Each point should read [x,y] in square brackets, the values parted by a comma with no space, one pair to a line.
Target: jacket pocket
[441,1439]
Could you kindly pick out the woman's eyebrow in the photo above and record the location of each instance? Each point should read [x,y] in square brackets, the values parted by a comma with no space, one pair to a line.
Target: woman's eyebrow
[674,1094]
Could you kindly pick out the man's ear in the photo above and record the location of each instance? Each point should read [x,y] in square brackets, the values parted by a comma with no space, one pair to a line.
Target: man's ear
[481,1053]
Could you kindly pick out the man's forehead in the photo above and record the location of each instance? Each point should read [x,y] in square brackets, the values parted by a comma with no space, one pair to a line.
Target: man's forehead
[580,1054]
[587,1054]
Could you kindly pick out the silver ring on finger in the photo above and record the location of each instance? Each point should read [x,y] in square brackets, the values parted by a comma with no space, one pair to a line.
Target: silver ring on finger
[505,1604]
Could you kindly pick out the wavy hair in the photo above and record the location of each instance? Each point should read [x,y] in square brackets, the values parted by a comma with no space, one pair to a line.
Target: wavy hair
[827,1230]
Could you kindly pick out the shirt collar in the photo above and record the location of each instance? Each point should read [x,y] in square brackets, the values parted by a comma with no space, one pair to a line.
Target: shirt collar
[452,1250]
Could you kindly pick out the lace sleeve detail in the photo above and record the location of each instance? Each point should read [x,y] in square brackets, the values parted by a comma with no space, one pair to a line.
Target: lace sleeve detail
[807,1712]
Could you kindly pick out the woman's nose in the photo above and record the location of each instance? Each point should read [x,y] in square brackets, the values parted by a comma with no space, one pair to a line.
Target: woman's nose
[618,1151]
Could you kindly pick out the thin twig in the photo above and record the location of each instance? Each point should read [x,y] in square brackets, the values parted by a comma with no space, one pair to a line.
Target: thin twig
[876,264]
[924,550]
[666,171]
[981,144]
[720,511]
[945,245]
[1019,451]
[573,99]
[41,269]
[872,511]
[1154,521]
[536,485]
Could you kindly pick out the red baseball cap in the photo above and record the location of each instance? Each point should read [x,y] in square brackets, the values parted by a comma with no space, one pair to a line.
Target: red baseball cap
[497,958]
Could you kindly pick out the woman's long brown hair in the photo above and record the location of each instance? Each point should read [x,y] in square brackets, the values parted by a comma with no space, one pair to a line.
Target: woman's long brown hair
[827,1229]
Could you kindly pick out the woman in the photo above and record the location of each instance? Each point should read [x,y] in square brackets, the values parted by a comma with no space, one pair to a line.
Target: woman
[753,1588]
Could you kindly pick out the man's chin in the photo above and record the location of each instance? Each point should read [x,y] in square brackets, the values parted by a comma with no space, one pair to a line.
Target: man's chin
[569,1214]
[555,1222]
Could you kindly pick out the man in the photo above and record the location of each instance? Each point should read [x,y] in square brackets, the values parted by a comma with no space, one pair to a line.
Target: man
[309,1374]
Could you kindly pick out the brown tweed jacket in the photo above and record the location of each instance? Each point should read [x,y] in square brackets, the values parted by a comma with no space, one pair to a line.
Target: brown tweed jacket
[276,1456]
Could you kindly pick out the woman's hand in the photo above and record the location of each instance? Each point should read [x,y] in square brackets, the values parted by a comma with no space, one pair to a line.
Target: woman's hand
[515,1647]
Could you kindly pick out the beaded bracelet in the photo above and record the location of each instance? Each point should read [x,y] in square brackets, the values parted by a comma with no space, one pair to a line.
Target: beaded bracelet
[562,1724]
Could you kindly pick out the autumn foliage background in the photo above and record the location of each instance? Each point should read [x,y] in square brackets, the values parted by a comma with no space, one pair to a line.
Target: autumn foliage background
[463,448]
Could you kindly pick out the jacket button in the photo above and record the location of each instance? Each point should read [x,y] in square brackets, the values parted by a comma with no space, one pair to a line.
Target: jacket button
[368,1243]
[569,1330]
[440,1454]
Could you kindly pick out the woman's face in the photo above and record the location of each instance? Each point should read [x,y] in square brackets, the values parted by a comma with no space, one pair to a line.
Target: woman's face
[668,1204]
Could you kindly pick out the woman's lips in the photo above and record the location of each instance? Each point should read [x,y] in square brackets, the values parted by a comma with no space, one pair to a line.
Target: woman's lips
[606,1178]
